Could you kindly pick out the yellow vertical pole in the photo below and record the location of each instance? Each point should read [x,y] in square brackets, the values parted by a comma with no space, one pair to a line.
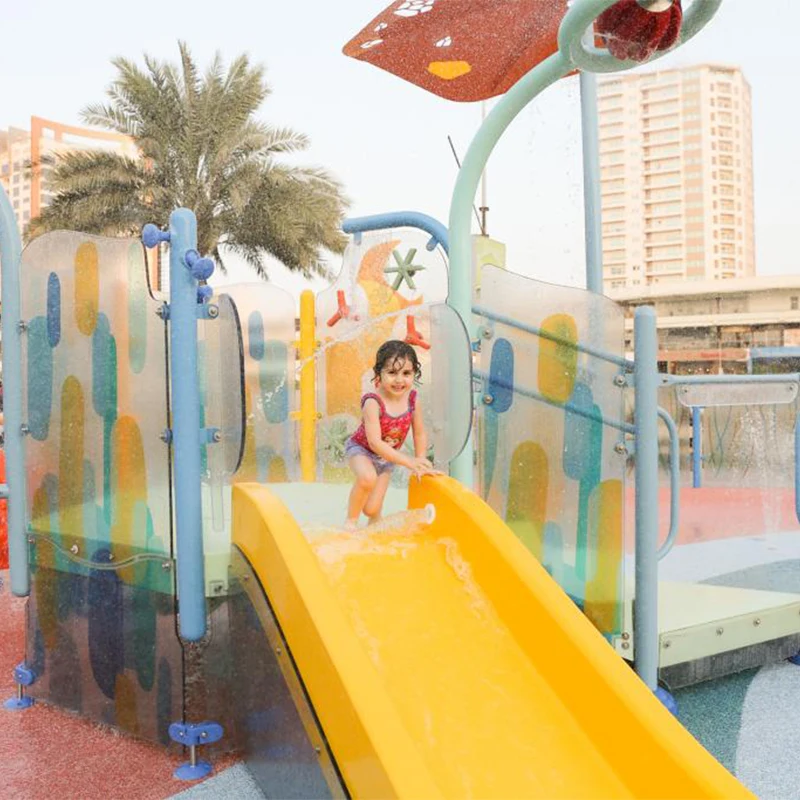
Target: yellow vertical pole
[308,389]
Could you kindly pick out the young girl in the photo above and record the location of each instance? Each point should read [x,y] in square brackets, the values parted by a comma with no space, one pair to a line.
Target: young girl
[387,415]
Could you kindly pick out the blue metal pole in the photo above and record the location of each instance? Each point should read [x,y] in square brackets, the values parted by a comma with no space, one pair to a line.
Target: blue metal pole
[10,254]
[185,267]
[697,447]
[487,313]
[400,219]
[645,619]
[593,223]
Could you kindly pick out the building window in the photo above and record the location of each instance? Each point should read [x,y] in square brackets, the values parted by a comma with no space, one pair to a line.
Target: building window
[794,303]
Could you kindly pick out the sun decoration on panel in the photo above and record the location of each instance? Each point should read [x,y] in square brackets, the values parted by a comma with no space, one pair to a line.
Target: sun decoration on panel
[410,8]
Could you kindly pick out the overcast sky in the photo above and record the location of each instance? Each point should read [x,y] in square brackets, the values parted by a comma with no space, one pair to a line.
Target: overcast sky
[387,140]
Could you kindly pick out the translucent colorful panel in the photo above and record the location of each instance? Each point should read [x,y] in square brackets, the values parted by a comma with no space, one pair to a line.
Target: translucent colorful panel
[95,401]
[345,373]
[102,643]
[384,272]
[389,283]
[267,322]
[221,379]
[546,458]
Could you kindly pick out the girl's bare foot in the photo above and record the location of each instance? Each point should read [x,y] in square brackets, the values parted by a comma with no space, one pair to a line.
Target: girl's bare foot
[351,524]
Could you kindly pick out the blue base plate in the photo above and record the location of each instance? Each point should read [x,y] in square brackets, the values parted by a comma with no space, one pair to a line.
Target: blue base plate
[186,772]
[18,704]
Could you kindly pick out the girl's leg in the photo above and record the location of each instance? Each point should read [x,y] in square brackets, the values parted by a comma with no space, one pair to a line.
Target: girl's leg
[374,504]
[366,479]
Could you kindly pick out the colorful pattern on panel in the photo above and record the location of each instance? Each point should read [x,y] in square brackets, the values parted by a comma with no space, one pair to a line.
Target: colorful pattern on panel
[392,285]
[101,638]
[547,462]
[267,328]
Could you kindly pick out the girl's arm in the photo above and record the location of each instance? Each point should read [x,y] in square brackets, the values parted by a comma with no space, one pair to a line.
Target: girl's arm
[372,427]
[420,434]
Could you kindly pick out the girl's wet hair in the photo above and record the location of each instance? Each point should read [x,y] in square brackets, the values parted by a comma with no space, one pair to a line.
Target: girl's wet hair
[396,352]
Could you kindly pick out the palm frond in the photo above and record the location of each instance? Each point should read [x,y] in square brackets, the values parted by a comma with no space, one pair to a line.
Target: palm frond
[202,147]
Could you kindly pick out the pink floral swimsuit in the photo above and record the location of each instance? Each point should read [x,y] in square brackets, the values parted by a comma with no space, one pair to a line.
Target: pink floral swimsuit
[394,431]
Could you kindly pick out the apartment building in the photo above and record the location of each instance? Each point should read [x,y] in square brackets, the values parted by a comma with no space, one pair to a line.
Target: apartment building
[676,176]
[19,149]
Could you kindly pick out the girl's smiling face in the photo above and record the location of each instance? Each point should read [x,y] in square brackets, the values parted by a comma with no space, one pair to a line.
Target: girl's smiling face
[397,378]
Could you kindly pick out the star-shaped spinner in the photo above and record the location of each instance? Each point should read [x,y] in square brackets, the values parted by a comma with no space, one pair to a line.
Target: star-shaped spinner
[405,269]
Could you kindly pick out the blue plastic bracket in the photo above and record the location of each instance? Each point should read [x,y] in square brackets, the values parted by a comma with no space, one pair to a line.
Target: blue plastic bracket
[201,268]
[794,660]
[152,235]
[210,435]
[204,293]
[207,310]
[23,676]
[191,735]
[166,436]
[163,311]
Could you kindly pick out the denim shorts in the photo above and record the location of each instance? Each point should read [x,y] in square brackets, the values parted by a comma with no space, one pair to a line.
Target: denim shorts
[355,449]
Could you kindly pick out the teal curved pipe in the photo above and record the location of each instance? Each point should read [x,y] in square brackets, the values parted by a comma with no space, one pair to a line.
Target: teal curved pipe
[573,52]
[459,295]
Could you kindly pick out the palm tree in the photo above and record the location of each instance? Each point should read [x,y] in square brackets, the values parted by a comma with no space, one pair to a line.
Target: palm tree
[202,148]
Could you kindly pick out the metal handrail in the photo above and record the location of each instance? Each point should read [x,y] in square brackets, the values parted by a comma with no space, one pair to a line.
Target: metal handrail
[685,380]
[567,406]
[482,311]
[674,483]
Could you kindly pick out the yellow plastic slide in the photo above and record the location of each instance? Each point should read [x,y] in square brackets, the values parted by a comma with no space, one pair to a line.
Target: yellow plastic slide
[443,661]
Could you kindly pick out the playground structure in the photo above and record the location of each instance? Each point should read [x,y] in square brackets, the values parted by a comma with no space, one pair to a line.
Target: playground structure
[166,471]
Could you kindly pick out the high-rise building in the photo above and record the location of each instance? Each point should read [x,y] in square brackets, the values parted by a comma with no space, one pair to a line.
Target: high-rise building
[676,176]
[19,149]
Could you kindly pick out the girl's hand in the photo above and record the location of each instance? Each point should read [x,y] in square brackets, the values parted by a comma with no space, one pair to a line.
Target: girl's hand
[421,466]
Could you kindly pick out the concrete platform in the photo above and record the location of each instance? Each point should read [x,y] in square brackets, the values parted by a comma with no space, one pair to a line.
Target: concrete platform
[707,630]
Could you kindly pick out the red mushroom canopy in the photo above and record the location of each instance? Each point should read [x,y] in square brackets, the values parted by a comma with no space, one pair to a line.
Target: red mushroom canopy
[464,50]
